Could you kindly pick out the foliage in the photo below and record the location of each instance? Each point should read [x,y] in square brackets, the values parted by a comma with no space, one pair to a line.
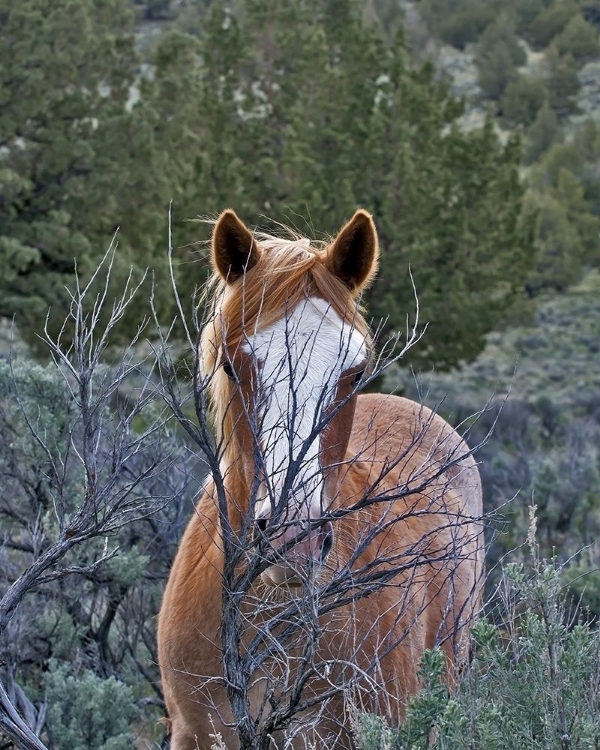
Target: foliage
[543,133]
[561,157]
[79,155]
[522,100]
[498,54]
[457,22]
[587,142]
[578,39]
[285,110]
[327,103]
[90,516]
[526,12]
[550,22]
[545,435]
[271,110]
[534,679]
[88,712]
[567,234]
[562,82]
[422,715]
[568,227]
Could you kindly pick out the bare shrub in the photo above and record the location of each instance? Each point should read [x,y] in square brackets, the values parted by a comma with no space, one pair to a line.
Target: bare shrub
[95,488]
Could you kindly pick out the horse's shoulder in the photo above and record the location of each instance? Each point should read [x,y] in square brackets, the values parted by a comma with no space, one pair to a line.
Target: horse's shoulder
[390,428]
[390,423]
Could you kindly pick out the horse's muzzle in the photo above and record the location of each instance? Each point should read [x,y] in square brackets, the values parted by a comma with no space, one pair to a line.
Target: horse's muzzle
[299,562]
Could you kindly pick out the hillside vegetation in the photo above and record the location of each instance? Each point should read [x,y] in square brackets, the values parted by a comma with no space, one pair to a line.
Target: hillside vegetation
[110,112]
[544,359]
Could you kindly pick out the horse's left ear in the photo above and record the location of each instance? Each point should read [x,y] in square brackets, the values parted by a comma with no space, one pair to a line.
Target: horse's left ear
[352,256]
[234,248]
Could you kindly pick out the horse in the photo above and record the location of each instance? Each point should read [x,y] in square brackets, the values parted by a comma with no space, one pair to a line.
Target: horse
[339,535]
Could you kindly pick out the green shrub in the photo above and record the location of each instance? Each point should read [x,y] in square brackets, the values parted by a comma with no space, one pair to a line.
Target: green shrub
[543,133]
[578,39]
[550,22]
[567,234]
[103,618]
[497,56]
[587,140]
[87,712]
[533,682]
[457,23]
[526,11]
[561,157]
[562,82]
[522,100]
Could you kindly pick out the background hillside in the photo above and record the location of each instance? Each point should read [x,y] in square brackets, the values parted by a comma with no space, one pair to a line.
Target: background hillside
[534,67]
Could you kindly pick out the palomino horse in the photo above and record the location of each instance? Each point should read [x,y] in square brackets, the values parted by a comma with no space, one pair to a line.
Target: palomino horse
[339,535]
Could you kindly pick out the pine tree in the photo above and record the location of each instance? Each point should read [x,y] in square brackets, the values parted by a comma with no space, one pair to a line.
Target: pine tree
[543,133]
[579,39]
[522,100]
[562,82]
[498,54]
[314,115]
[550,22]
[79,157]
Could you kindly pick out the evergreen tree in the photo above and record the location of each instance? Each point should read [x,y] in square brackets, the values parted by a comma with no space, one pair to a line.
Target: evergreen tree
[285,109]
[544,132]
[497,56]
[458,22]
[579,39]
[567,232]
[587,141]
[550,22]
[526,11]
[562,82]
[79,158]
[522,100]
[560,158]
[305,111]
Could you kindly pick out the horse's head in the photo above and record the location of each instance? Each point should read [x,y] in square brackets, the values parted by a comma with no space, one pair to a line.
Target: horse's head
[284,352]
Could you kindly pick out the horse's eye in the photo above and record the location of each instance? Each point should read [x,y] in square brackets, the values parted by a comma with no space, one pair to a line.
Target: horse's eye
[228,369]
[357,377]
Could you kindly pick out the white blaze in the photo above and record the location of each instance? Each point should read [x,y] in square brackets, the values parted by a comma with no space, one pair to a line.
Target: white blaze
[299,362]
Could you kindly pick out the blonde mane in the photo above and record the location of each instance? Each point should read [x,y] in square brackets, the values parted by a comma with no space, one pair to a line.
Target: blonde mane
[287,272]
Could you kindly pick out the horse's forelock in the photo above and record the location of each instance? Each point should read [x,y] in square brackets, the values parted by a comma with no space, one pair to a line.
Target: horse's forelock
[287,272]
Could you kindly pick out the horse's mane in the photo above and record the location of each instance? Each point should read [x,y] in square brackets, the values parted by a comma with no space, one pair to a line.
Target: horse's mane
[287,271]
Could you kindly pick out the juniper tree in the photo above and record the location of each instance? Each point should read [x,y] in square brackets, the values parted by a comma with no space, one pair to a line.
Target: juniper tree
[78,155]
[307,110]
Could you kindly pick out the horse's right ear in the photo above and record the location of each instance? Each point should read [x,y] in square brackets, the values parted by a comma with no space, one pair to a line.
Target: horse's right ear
[234,249]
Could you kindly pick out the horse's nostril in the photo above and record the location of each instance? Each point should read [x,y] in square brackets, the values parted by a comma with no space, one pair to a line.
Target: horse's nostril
[261,524]
[327,543]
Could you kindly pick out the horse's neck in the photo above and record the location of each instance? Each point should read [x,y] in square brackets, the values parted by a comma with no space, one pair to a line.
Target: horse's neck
[237,493]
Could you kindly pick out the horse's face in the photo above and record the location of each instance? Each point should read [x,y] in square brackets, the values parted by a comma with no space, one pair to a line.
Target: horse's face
[293,385]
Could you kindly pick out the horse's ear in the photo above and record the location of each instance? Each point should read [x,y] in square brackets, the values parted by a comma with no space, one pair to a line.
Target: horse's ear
[234,249]
[352,256]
